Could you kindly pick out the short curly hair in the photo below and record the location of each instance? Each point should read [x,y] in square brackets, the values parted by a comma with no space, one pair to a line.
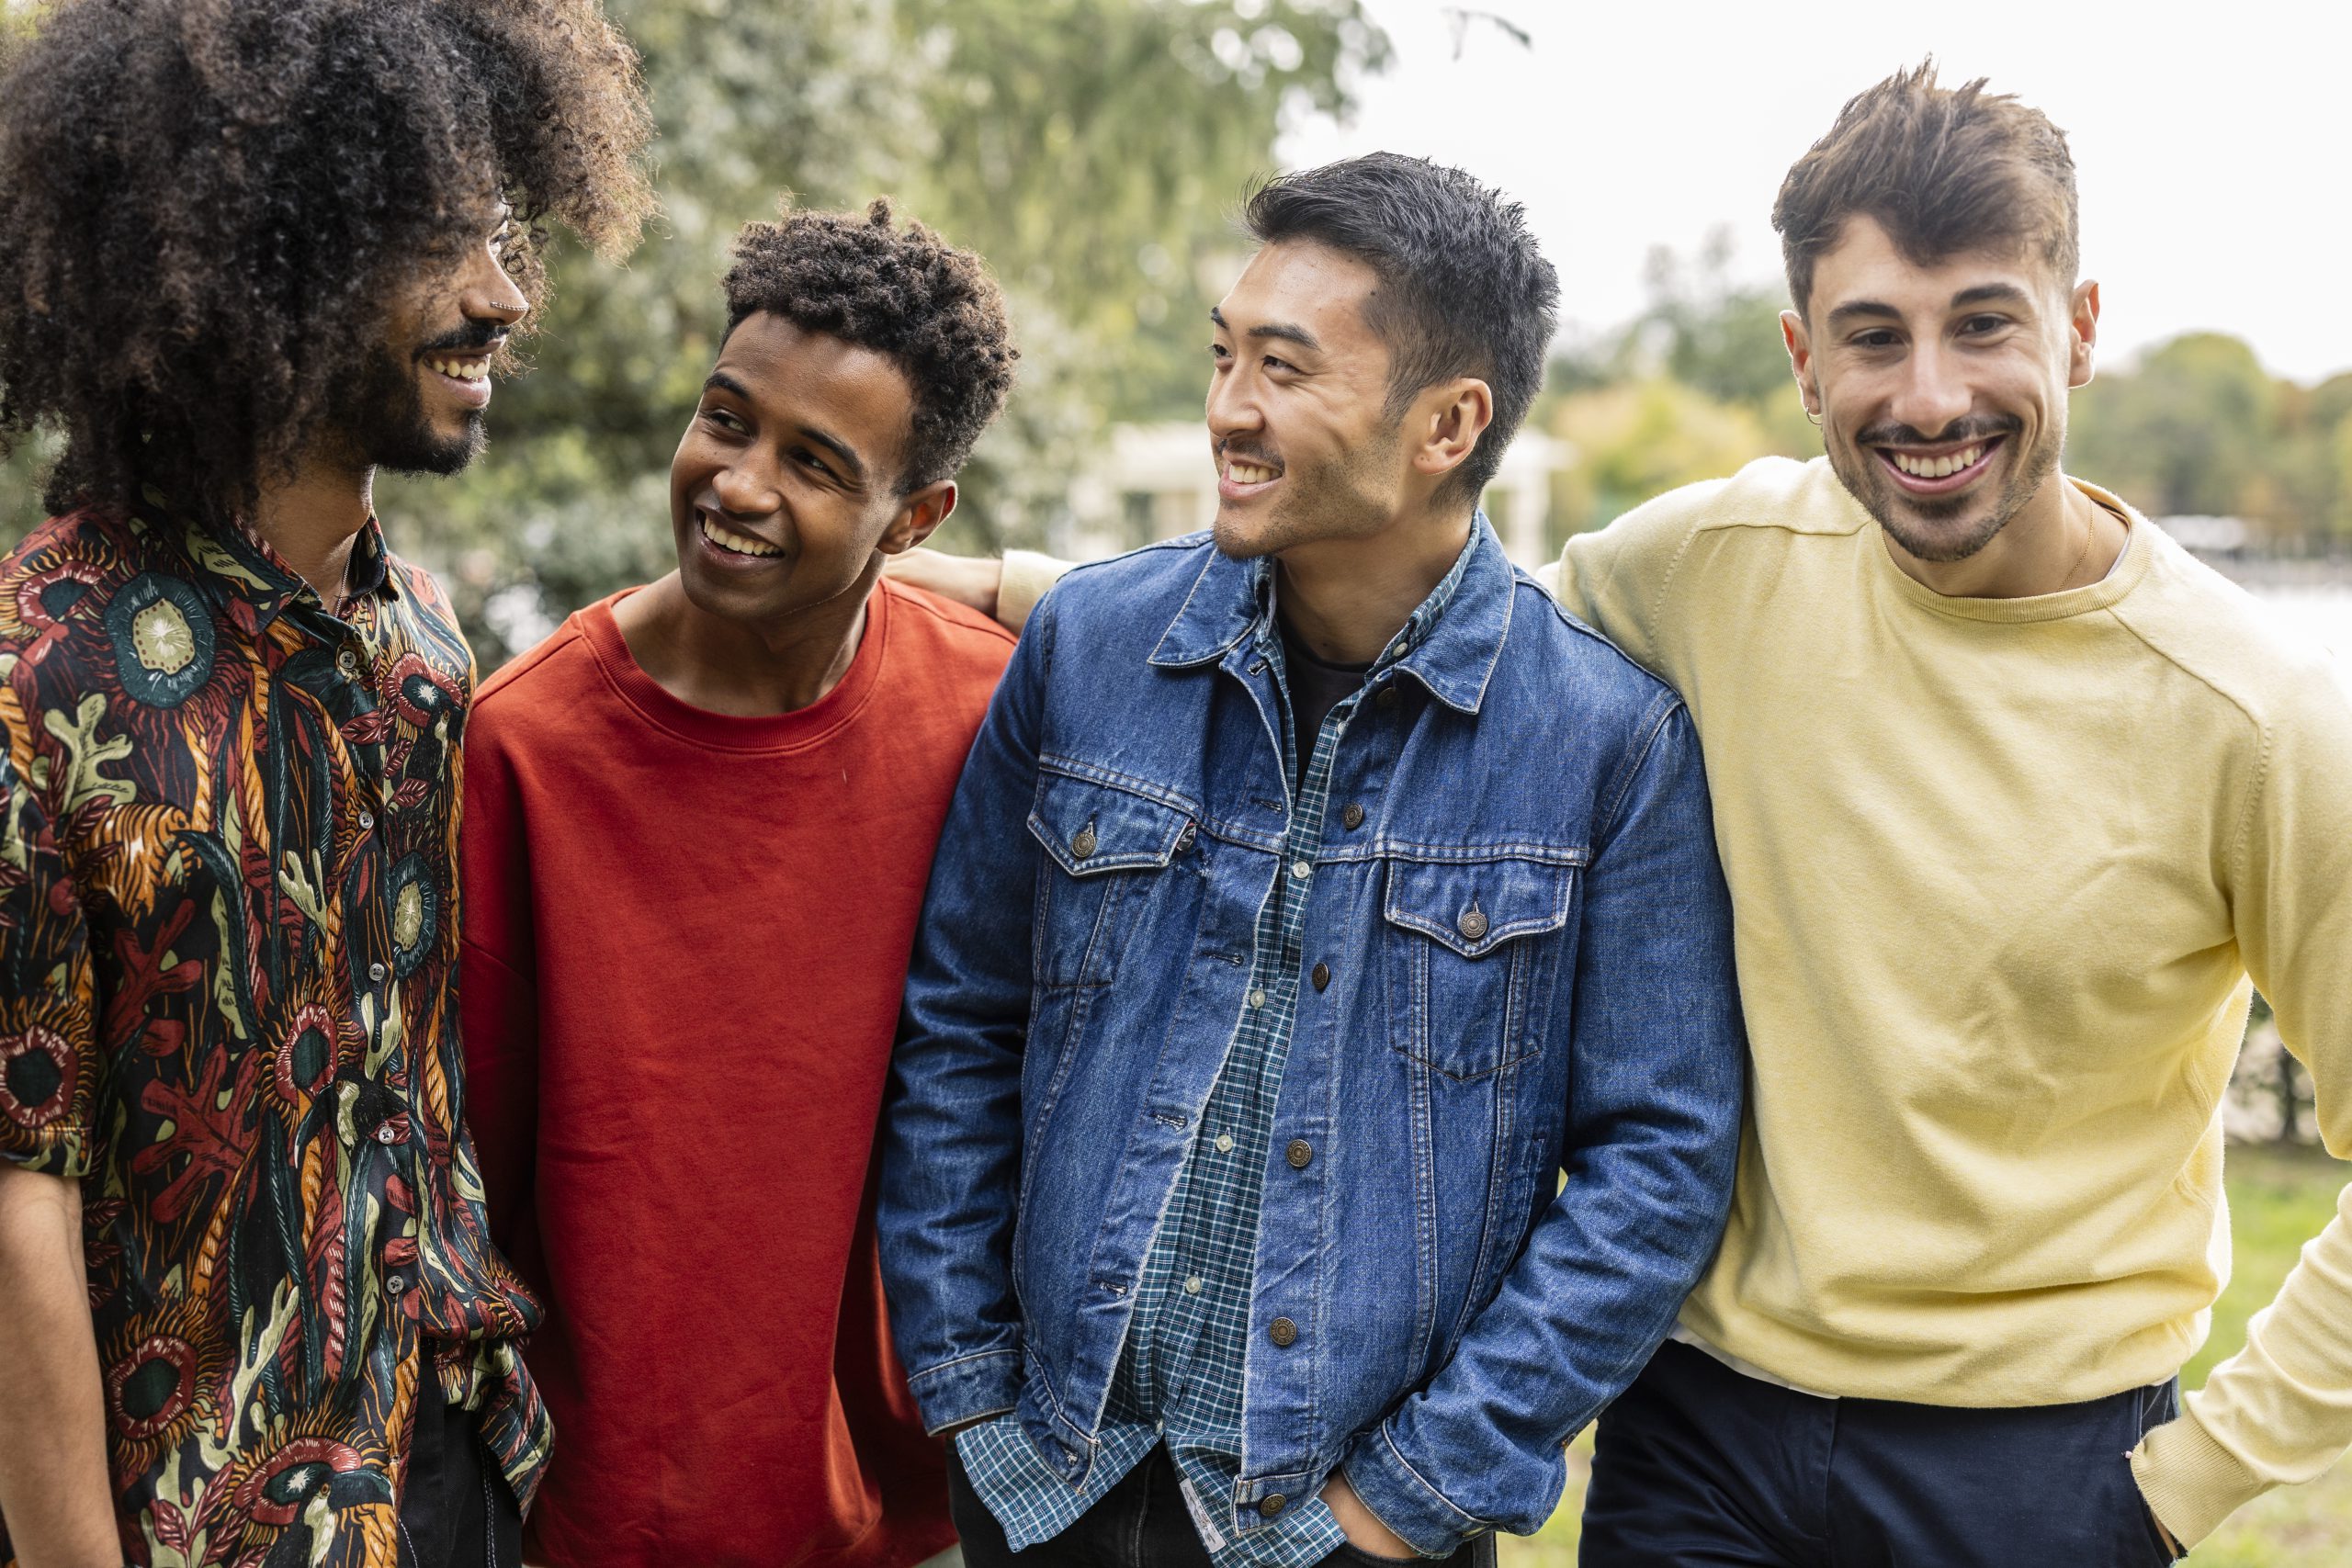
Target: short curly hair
[207,207]
[904,293]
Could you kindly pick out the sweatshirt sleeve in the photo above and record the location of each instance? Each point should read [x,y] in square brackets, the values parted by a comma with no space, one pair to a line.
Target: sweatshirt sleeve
[1615,579]
[498,995]
[1026,576]
[2280,1410]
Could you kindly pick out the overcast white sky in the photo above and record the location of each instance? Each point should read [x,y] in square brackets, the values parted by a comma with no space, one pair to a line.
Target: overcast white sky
[2212,141]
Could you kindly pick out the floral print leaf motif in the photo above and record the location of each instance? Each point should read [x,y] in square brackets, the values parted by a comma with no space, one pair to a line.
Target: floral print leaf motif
[85,754]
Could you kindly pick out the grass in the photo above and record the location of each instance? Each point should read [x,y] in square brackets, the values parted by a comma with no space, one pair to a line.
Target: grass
[2278,1199]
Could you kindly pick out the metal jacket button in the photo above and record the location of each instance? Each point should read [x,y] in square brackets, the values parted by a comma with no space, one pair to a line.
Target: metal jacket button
[1272,1504]
[1473,923]
[1299,1153]
[1321,975]
[1083,845]
[1351,815]
[1282,1332]
[1185,839]
[1387,697]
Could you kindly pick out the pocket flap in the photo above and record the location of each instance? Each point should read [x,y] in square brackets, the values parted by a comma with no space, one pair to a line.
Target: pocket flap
[1474,906]
[1090,828]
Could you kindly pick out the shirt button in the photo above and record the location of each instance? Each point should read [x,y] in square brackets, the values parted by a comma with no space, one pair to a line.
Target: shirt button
[375,972]
[1352,816]
[1404,647]
[1282,1332]
[1301,870]
[348,663]
[1299,1153]
[1270,1504]
[367,820]
[387,1133]
[1224,1143]
[1387,697]
[1192,1284]
[1257,998]
[1321,976]
[397,1284]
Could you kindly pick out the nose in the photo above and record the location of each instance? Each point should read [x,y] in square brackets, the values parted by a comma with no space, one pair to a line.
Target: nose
[1934,394]
[1233,405]
[488,293]
[746,488]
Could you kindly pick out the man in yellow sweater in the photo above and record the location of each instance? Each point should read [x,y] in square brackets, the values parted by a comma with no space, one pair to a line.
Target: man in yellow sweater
[2013,797]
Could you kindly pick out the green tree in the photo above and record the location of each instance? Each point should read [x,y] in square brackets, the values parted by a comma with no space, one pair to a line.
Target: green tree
[2191,428]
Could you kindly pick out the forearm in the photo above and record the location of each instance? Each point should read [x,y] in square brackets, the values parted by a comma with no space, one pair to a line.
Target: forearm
[54,1489]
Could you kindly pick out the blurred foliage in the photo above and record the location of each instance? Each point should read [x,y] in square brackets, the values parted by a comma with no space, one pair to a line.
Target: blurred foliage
[1092,150]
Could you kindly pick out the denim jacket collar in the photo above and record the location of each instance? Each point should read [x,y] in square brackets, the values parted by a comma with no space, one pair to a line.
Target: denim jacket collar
[1450,642]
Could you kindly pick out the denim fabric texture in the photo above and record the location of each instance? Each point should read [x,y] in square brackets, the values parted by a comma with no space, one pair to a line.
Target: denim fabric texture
[1179,1378]
[1527,957]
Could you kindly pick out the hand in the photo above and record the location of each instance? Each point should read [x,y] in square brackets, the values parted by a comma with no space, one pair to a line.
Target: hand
[1361,1525]
[969,581]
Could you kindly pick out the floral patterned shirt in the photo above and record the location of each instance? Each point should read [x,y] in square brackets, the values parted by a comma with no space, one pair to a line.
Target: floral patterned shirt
[227,965]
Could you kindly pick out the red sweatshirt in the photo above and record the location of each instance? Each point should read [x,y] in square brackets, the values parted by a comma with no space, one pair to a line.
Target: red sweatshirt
[685,936]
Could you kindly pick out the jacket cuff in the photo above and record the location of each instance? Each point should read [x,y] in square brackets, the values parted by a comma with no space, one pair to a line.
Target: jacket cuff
[1021,582]
[2191,1483]
[987,1382]
[1403,1498]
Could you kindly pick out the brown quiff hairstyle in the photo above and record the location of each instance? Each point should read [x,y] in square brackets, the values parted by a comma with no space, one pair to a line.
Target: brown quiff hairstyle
[1942,170]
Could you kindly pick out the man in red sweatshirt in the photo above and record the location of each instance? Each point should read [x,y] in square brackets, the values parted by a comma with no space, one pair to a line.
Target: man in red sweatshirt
[698,822]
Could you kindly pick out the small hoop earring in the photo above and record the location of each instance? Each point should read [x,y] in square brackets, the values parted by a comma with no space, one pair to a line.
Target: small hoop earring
[1815,417]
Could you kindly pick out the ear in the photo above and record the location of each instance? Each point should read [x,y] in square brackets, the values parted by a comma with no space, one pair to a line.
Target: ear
[2082,332]
[919,513]
[1799,343]
[1454,415]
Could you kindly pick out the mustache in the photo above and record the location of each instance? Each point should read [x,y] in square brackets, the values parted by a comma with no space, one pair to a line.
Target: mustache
[471,337]
[1970,429]
[1247,451]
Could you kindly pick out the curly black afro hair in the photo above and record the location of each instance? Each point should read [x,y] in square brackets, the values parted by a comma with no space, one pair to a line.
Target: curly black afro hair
[905,293]
[208,206]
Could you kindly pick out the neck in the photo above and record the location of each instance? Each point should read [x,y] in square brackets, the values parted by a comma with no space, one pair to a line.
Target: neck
[2059,540]
[745,669]
[310,517]
[1345,598]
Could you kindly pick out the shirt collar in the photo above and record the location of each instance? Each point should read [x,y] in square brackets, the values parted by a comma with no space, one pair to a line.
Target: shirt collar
[1450,643]
[259,576]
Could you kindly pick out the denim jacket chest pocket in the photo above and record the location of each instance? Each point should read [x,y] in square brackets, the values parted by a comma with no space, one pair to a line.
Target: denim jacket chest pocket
[1103,846]
[1476,949]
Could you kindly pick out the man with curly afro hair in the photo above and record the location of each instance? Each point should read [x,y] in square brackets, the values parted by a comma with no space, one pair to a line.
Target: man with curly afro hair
[698,821]
[250,252]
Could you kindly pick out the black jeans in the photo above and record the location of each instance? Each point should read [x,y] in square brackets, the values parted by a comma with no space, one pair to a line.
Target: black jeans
[457,1510]
[1699,1464]
[1139,1523]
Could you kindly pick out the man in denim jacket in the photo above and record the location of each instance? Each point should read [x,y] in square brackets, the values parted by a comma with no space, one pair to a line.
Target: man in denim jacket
[1317,895]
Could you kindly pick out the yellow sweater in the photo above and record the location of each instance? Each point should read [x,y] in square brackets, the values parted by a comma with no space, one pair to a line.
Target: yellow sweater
[2000,869]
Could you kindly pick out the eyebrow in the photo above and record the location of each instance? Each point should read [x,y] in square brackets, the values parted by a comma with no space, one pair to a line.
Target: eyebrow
[831,443]
[1980,294]
[1280,331]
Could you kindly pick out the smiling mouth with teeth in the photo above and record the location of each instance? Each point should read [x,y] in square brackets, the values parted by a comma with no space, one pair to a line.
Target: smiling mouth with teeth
[734,543]
[1243,473]
[462,370]
[1938,468]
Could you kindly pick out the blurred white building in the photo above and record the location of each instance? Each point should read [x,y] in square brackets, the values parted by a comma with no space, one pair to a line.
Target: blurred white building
[1159,480]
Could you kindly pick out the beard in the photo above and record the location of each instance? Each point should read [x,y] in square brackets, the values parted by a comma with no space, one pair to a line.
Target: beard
[1350,495]
[1945,528]
[381,414]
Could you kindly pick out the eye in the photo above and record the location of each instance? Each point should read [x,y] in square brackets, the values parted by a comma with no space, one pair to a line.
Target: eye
[803,455]
[1977,326]
[1875,337]
[1219,353]
[723,419]
[1272,362]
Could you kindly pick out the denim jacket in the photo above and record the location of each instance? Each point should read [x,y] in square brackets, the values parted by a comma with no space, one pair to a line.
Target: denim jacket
[1529,956]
